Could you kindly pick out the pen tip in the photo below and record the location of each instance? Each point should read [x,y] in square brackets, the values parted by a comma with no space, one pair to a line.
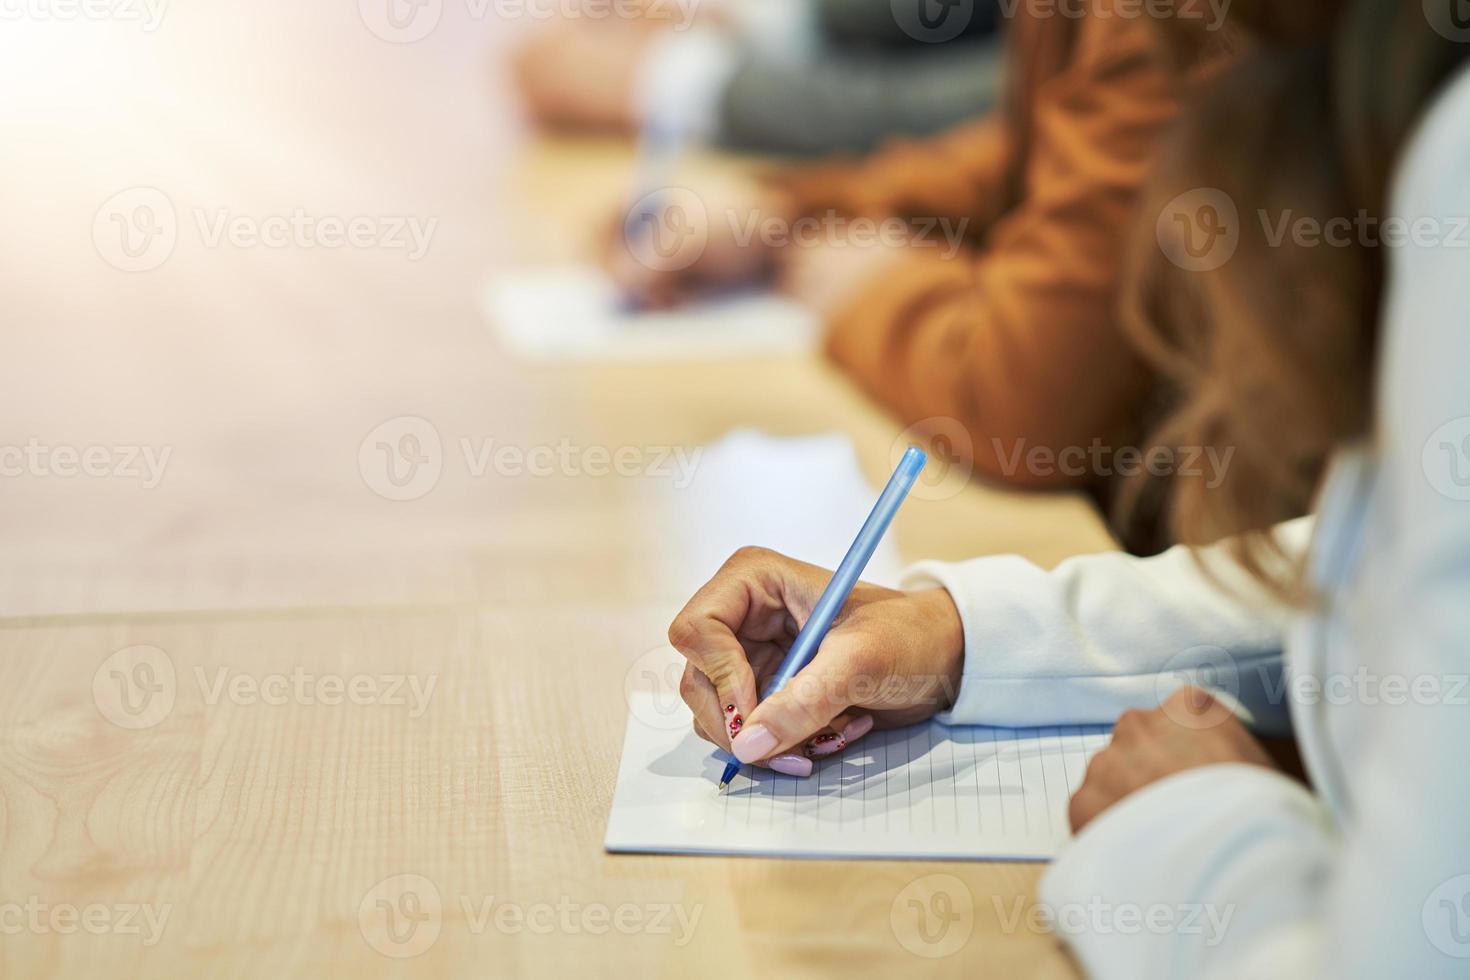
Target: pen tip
[724,786]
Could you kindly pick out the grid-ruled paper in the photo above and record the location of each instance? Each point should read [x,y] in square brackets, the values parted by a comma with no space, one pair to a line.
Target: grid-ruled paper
[928,791]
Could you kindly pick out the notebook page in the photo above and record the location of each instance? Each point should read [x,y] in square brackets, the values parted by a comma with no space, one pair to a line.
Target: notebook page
[577,313]
[927,791]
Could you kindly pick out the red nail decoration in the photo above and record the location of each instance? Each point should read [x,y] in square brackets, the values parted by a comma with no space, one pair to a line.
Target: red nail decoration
[826,743]
[734,722]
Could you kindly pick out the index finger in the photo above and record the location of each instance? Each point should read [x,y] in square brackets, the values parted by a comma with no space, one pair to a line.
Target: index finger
[739,602]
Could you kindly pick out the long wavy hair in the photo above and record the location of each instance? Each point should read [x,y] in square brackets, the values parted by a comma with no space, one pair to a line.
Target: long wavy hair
[1271,354]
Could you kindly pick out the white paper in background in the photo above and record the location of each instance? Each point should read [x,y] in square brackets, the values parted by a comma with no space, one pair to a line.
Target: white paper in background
[576,313]
[805,497]
[928,791]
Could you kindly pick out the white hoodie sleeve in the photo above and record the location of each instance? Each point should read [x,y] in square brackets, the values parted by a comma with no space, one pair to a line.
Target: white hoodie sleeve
[1103,633]
[1386,893]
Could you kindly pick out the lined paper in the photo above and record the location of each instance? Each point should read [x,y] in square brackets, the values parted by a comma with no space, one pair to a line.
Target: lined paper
[576,313]
[927,791]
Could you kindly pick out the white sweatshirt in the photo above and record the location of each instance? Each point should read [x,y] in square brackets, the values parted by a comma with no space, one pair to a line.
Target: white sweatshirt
[1370,876]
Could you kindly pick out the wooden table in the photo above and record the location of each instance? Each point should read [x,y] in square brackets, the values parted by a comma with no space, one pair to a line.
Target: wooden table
[284,805]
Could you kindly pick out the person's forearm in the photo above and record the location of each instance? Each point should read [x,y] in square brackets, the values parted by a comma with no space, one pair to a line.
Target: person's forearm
[1103,633]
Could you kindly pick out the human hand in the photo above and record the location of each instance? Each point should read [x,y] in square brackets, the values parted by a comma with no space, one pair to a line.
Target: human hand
[580,74]
[1190,729]
[891,659]
[727,232]
[826,276]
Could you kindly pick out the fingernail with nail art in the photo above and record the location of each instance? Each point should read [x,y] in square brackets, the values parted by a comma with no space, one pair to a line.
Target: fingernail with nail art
[857,728]
[792,765]
[753,743]
[733,721]
[825,744]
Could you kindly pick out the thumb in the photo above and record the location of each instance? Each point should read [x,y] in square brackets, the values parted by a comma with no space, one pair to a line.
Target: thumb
[794,714]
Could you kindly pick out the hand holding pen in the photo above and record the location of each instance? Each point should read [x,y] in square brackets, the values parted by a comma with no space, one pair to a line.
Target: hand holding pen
[890,658]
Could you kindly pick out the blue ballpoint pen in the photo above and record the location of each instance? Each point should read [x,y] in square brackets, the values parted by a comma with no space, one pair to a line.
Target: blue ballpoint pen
[659,147]
[809,639]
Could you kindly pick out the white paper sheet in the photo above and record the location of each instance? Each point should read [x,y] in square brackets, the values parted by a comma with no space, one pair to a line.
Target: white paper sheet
[928,791]
[576,313]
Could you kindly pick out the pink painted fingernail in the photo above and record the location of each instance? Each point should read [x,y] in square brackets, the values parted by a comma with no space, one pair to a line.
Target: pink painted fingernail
[792,765]
[753,743]
[733,721]
[858,727]
[825,744]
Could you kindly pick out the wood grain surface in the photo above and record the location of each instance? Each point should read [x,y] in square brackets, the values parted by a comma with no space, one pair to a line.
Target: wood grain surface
[258,721]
